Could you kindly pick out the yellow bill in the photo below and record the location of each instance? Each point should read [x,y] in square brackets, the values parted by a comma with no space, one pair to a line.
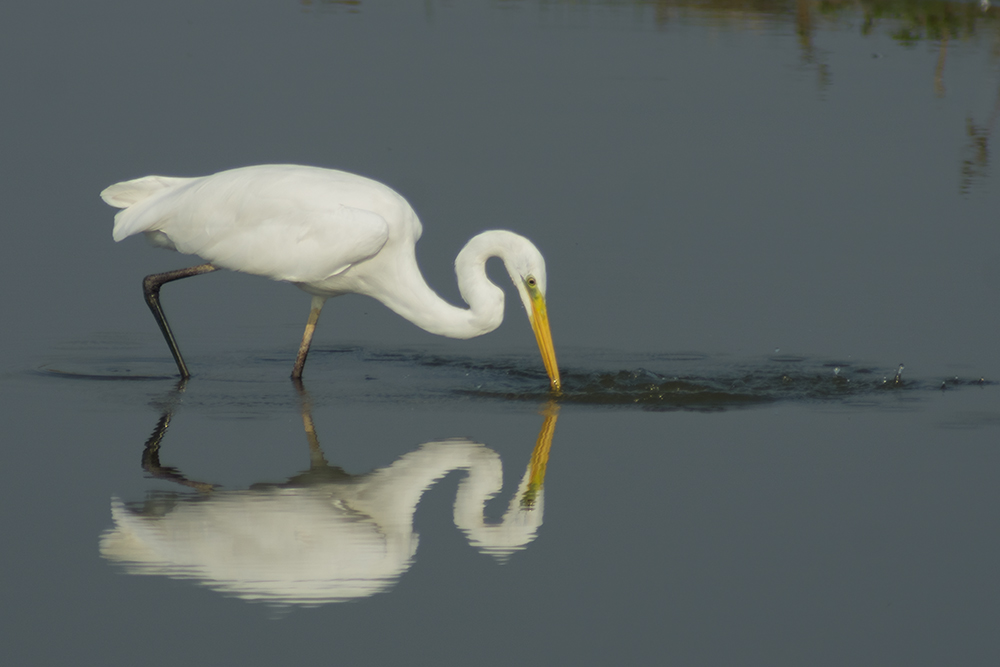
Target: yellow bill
[540,324]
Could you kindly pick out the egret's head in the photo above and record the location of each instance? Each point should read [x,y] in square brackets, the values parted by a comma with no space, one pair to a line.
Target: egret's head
[526,267]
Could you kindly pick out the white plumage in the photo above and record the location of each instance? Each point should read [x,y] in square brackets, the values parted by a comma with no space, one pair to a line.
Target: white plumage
[330,233]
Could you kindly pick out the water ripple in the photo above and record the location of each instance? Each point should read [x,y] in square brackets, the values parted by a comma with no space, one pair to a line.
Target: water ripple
[676,381]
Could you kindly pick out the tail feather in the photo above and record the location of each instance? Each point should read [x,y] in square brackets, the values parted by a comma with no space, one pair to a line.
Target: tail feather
[139,200]
[127,193]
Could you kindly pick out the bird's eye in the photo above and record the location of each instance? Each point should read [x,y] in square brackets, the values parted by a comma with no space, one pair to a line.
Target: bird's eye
[531,282]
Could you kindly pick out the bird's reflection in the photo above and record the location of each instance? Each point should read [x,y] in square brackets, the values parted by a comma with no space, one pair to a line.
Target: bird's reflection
[324,535]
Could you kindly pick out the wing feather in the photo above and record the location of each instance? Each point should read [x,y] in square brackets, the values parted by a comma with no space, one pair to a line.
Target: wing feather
[299,224]
[307,247]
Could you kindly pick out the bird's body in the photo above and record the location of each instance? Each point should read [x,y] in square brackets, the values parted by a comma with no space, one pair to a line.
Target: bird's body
[330,233]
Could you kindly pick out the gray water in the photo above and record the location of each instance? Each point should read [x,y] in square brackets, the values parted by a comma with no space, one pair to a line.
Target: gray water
[773,257]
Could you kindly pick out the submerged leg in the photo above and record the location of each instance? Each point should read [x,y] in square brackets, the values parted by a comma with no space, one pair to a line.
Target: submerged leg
[300,360]
[151,289]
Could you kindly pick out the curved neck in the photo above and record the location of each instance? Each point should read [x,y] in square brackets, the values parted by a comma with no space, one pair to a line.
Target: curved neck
[413,299]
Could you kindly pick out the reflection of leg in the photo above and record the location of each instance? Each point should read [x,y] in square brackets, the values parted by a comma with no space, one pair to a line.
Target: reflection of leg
[320,471]
[151,452]
[300,359]
[316,458]
[151,289]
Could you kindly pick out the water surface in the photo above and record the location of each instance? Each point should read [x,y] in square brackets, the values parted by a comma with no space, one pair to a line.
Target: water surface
[773,256]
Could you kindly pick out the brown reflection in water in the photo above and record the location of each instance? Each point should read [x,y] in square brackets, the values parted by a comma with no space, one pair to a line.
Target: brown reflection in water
[976,163]
[907,22]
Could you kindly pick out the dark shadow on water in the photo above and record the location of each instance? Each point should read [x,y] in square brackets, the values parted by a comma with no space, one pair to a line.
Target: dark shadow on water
[109,376]
[743,385]
[700,382]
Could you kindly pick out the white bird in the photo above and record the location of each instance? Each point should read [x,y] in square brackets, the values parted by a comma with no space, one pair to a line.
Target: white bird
[329,233]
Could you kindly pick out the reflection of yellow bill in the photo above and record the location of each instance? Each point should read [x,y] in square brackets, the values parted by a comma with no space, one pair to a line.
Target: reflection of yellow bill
[540,456]
[540,324]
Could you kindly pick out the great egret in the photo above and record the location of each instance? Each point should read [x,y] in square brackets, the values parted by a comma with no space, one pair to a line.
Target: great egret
[329,233]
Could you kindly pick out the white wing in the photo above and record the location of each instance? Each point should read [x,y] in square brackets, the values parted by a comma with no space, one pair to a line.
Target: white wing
[299,246]
[299,224]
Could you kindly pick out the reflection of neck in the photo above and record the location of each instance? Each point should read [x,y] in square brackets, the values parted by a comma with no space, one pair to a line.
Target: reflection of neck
[519,524]
[523,517]
[390,495]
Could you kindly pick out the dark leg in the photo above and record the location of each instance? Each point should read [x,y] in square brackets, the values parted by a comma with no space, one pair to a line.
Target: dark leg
[151,289]
[300,359]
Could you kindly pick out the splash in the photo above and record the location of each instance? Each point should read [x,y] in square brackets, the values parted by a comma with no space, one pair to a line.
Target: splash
[716,386]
